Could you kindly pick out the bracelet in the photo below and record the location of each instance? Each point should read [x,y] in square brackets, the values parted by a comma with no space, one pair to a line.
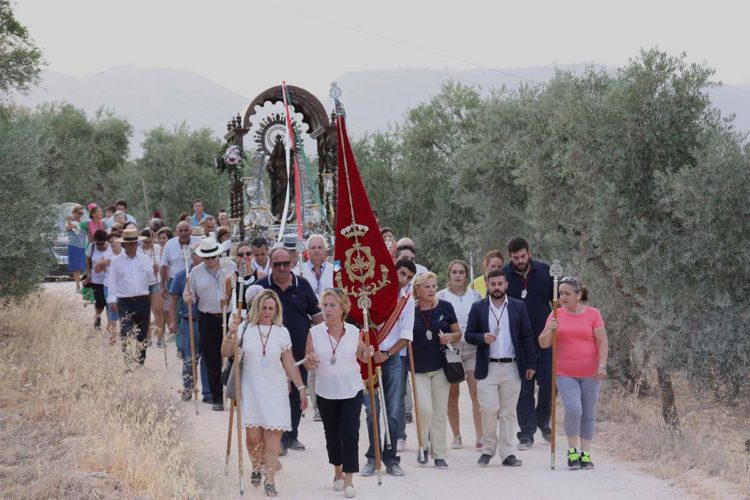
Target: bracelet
[603,365]
[301,388]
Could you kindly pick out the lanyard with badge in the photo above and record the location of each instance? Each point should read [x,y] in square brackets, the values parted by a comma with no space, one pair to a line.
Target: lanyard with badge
[498,319]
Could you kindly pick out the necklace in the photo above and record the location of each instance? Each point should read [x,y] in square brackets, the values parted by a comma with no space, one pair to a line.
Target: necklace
[426,322]
[338,343]
[264,359]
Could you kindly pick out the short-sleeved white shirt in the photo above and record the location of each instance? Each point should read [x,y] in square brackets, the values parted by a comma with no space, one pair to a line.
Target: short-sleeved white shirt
[172,258]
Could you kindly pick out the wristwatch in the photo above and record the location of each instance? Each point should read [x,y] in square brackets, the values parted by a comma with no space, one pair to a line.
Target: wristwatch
[602,365]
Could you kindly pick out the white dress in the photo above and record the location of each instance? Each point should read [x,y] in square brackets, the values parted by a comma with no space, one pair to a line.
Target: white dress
[265,393]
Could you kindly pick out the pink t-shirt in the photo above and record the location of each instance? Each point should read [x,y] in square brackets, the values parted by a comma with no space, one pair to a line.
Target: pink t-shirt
[577,352]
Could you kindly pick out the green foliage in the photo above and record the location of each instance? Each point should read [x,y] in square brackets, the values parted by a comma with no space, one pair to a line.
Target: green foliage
[25,202]
[20,59]
[176,167]
[631,178]
[80,154]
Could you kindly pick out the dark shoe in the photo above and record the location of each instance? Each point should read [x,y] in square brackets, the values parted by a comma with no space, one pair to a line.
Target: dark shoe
[98,323]
[525,444]
[218,407]
[282,449]
[208,399]
[160,344]
[187,394]
[586,462]
[409,417]
[484,460]
[574,459]
[368,469]
[270,489]
[256,477]
[547,434]
[295,445]
[440,463]
[512,461]
[393,470]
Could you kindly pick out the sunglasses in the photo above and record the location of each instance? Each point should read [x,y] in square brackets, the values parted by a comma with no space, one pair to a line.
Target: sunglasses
[282,264]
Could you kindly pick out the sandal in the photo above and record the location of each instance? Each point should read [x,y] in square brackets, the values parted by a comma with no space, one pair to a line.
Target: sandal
[256,477]
[270,489]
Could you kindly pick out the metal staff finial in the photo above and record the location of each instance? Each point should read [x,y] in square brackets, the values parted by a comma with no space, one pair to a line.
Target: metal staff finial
[556,271]
[335,94]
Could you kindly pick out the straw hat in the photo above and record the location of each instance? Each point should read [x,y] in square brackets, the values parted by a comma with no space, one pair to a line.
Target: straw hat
[130,235]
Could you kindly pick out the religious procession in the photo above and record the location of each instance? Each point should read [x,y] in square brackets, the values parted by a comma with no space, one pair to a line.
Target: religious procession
[311,305]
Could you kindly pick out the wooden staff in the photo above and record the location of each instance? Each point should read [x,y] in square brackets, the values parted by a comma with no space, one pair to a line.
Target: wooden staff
[555,271]
[232,405]
[421,453]
[229,437]
[238,365]
[161,327]
[371,390]
[186,257]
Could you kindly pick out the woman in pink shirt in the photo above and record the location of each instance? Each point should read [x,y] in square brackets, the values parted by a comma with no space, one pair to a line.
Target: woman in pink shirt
[582,351]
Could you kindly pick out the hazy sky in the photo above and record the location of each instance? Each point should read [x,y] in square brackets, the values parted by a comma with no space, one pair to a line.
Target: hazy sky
[250,45]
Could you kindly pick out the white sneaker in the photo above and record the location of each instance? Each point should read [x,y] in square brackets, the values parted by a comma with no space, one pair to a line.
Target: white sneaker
[338,485]
[457,443]
[349,492]
[401,445]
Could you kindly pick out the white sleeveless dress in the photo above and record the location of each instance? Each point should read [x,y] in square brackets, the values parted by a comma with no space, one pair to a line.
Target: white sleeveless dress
[265,392]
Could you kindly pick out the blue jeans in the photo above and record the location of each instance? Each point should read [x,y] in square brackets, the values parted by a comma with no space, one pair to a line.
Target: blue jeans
[404,388]
[394,403]
[530,418]
[187,366]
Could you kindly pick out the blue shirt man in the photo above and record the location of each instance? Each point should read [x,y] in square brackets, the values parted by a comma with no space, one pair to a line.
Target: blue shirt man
[176,289]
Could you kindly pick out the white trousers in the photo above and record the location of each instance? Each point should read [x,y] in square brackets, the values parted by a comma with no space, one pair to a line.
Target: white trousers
[432,397]
[498,397]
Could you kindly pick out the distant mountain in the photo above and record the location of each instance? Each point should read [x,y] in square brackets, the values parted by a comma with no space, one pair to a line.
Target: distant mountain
[149,97]
[146,97]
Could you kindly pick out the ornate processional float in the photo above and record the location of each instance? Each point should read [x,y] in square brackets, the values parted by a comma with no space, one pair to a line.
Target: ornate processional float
[276,188]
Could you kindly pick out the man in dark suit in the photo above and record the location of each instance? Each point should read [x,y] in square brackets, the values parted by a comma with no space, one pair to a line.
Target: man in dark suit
[500,328]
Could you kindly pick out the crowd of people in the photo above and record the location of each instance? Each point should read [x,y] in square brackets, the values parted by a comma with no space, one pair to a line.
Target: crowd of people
[278,307]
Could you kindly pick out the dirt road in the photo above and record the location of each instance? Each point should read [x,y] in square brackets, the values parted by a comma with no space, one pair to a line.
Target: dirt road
[307,474]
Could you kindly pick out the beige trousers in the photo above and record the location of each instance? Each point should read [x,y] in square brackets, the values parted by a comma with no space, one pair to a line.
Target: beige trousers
[498,397]
[432,396]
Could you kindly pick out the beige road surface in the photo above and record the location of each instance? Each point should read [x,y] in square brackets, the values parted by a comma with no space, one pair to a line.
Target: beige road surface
[307,474]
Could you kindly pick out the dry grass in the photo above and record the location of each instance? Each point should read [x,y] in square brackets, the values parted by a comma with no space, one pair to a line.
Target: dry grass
[74,422]
[709,452]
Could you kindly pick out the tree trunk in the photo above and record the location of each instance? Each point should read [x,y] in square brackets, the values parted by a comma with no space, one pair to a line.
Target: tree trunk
[668,407]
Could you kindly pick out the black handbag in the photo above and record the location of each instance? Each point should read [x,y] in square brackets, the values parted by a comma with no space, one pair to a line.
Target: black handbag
[452,366]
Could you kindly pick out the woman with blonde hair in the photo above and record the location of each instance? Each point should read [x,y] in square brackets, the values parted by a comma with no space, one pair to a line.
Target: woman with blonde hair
[435,326]
[267,362]
[333,348]
[461,297]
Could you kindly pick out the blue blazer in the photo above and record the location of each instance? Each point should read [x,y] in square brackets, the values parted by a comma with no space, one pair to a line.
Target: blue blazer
[520,333]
